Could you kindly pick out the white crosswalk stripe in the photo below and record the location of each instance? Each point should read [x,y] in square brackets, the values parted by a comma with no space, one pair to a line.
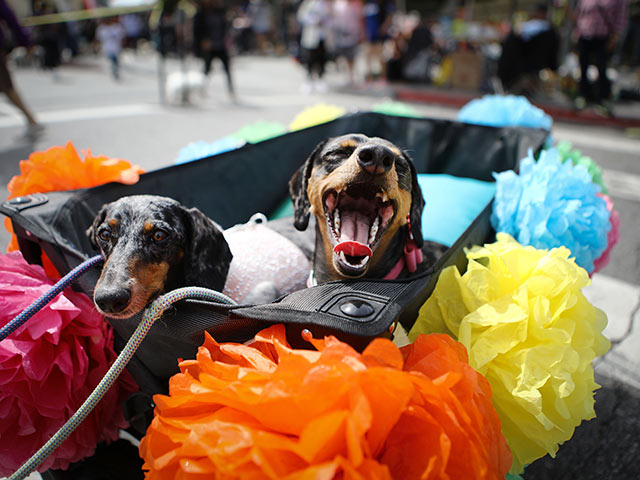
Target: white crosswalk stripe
[86,113]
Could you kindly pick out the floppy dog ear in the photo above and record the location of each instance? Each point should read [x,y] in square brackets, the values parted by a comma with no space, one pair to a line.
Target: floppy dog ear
[207,256]
[298,190]
[417,205]
[92,231]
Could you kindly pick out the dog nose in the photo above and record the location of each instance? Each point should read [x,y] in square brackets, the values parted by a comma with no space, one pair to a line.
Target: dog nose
[375,159]
[112,301]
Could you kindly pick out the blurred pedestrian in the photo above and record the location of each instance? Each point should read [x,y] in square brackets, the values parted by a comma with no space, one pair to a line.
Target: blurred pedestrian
[133,27]
[314,17]
[347,25]
[290,27]
[419,53]
[531,48]
[598,24]
[378,15]
[20,37]
[632,36]
[210,37]
[259,11]
[111,34]
[49,37]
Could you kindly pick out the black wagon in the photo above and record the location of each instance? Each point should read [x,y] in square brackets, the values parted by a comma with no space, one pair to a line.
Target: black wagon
[230,188]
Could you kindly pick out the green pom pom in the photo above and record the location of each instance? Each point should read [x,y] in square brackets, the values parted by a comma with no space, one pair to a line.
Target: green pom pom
[398,109]
[260,131]
[575,156]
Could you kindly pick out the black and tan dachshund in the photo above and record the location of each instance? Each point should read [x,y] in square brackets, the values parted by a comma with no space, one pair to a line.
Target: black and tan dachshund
[368,205]
[151,245]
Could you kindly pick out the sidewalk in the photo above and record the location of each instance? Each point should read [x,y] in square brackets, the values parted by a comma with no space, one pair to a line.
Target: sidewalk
[626,114]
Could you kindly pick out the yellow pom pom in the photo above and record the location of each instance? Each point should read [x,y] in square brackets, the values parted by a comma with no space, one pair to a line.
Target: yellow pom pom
[531,332]
[319,113]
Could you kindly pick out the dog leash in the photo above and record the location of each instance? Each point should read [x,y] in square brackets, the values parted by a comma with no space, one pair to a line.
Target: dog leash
[151,314]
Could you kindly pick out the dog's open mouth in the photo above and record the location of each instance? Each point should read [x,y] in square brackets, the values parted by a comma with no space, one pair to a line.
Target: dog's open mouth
[357,218]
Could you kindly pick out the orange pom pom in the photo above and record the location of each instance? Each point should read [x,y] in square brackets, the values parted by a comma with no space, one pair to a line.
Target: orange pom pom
[266,410]
[61,168]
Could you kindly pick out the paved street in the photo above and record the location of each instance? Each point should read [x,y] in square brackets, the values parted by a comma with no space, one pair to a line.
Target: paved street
[127,120]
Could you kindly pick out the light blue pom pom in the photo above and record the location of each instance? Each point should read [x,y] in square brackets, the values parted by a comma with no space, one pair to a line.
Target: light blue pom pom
[551,204]
[202,149]
[504,111]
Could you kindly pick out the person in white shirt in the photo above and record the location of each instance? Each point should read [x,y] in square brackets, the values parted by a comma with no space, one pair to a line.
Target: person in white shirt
[314,17]
[111,34]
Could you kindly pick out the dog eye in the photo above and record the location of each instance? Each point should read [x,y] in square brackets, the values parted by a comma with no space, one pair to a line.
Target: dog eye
[104,234]
[335,157]
[342,151]
[160,235]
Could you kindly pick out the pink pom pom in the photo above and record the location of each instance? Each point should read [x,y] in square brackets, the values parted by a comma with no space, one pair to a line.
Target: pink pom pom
[48,367]
[612,237]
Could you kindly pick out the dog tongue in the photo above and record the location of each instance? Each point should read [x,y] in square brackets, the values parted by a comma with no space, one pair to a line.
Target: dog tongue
[354,249]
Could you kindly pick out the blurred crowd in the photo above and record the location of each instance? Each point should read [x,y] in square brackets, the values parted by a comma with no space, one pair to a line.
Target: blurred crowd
[559,47]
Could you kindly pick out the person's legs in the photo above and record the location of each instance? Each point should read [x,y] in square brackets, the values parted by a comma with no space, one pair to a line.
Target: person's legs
[223,55]
[600,60]
[115,66]
[312,63]
[6,86]
[307,61]
[15,98]
[376,67]
[321,59]
[634,35]
[207,58]
[584,54]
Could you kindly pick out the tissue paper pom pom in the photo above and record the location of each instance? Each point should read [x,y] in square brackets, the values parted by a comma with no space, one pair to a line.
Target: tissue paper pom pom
[266,410]
[613,236]
[48,367]
[61,168]
[202,149]
[320,113]
[504,111]
[259,131]
[565,153]
[531,332]
[552,204]
[396,108]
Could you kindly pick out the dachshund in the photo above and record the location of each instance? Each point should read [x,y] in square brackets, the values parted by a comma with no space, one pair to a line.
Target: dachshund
[153,244]
[368,206]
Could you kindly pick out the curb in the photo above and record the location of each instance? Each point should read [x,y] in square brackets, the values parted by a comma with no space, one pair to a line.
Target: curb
[557,112]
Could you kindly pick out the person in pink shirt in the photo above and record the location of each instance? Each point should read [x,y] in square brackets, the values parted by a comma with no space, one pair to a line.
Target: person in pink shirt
[599,23]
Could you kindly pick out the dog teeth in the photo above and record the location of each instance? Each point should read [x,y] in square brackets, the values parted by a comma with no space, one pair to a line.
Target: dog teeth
[383,196]
[336,221]
[361,263]
[374,230]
